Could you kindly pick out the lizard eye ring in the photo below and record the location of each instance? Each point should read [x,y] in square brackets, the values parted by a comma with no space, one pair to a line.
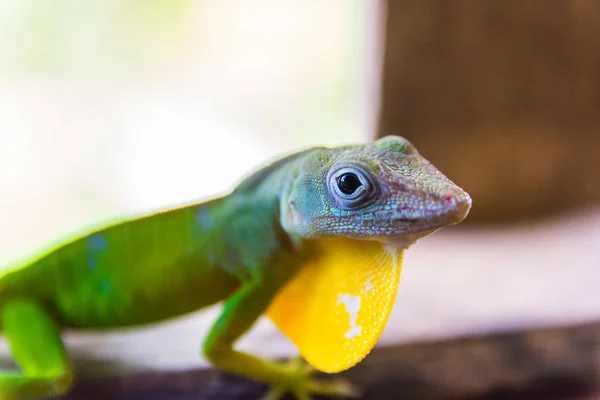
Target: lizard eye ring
[350,186]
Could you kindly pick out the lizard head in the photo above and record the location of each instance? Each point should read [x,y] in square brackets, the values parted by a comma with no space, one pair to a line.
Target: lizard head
[338,304]
[384,191]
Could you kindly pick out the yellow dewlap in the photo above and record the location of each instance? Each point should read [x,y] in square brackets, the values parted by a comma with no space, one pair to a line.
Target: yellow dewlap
[336,308]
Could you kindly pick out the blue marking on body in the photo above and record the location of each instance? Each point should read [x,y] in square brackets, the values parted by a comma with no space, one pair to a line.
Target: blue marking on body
[202,222]
[106,286]
[204,219]
[94,246]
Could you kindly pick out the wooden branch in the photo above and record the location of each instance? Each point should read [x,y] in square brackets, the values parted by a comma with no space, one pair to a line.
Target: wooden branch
[553,363]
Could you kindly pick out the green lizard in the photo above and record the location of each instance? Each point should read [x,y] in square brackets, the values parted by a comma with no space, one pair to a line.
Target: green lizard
[314,241]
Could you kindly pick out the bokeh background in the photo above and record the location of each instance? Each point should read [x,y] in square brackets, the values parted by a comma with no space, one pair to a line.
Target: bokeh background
[114,107]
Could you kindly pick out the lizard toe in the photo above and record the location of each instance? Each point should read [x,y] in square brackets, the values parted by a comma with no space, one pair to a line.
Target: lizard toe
[300,382]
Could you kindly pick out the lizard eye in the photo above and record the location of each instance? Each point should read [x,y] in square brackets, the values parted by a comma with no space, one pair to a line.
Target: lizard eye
[350,186]
[348,183]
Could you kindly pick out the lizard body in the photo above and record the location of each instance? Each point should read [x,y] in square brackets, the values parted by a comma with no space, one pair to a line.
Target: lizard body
[314,241]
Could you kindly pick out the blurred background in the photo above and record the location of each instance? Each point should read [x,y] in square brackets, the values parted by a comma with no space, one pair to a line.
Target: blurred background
[118,107]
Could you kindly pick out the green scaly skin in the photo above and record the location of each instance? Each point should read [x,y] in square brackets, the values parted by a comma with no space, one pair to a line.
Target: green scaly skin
[240,249]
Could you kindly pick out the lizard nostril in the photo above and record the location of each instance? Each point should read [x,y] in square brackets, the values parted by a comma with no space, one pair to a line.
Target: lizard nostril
[447,198]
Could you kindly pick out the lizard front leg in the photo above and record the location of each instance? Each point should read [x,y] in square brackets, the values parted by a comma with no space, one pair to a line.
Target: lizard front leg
[239,313]
[38,350]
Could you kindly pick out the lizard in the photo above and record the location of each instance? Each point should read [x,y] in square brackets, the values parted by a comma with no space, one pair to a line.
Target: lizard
[314,241]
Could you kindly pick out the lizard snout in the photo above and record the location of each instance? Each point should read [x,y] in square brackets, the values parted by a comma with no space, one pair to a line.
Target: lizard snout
[457,206]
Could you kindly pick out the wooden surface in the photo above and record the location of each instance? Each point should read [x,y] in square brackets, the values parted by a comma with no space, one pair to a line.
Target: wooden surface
[559,363]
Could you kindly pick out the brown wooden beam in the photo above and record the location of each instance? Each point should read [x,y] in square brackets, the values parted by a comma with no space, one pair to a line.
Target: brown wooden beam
[502,96]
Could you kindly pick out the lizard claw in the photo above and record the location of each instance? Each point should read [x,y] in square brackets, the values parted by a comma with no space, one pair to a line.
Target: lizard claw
[300,383]
[334,388]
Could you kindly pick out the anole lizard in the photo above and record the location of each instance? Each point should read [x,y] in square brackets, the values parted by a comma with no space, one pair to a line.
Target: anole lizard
[314,241]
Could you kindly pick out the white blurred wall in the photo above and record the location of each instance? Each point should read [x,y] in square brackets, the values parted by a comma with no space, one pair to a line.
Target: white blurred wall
[113,107]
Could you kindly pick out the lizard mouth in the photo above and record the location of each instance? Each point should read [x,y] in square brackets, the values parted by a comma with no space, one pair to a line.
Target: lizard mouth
[426,220]
[404,231]
[452,212]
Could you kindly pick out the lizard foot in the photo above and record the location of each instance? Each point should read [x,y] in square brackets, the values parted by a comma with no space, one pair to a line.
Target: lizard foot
[299,381]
